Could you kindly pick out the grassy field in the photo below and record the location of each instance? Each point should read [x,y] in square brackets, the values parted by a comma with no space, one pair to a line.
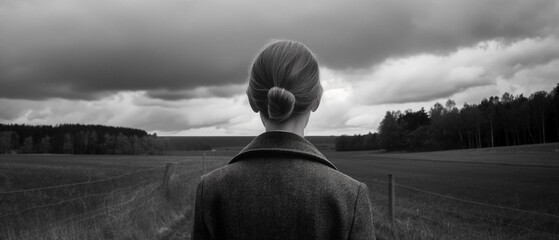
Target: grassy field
[133,206]
[117,197]
[526,180]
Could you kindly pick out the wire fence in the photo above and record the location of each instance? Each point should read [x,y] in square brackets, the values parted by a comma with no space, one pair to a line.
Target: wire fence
[73,199]
[462,200]
[121,200]
[470,211]
[81,183]
[139,195]
[108,199]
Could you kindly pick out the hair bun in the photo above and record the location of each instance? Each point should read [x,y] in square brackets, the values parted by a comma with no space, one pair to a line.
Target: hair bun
[280,104]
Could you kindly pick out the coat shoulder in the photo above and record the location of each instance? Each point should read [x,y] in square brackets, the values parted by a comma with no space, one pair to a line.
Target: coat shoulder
[295,172]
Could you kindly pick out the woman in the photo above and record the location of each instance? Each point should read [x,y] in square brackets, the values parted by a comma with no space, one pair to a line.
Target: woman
[280,186]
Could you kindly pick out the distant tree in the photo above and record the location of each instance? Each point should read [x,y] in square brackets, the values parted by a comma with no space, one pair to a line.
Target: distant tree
[27,146]
[85,141]
[78,139]
[389,131]
[450,106]
[44,145]
[522,120]
[79,142]
[370,141]
[408,123]
[109,143]
[505,117]
[92,141]
[495,121]
[356,142]
[5,141]
[436,112]
[420,139]
[136,145]
[123,145]
[410,120]
[15,141]
[454,126]
[538,106]
[554,95]
[435,132]
[68,146]
[487,108]
[146,145]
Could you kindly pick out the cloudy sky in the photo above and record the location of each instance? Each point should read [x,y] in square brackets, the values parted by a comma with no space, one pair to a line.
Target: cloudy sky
[180,67]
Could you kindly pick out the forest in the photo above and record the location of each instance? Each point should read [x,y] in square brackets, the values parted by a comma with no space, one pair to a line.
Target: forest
[495,121]
[85,139]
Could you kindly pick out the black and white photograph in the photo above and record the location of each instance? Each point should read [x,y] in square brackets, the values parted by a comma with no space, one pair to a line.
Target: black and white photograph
[358,119]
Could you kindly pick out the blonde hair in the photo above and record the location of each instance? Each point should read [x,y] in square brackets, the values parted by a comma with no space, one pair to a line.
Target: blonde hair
[284,81]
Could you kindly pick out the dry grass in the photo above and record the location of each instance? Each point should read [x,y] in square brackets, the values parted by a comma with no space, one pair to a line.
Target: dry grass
[520,177]
[136,208]
[131,207]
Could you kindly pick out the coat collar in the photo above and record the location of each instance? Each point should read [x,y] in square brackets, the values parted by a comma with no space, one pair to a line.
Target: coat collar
[282,143]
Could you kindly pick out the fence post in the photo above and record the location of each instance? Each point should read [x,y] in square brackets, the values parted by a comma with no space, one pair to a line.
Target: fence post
[391,197]
[391,201]
[167,179]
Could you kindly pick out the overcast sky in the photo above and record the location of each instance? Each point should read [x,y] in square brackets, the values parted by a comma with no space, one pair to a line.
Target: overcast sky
[180,67]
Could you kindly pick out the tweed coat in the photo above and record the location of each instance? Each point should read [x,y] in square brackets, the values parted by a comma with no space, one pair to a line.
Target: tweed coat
[281,187]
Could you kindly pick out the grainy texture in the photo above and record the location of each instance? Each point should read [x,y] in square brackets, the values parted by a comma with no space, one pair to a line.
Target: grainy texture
[281,187]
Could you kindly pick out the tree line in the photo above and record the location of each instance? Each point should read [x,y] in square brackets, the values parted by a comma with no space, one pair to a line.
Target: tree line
[84,139]
[496,121]
[357,142]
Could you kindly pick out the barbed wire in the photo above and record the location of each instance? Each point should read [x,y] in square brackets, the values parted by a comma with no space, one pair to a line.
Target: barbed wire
[476,202]
[473,202]
[120,206]
[462,200]
[95,213]
[80,183]
[74,199]
[192,175]
[509,224]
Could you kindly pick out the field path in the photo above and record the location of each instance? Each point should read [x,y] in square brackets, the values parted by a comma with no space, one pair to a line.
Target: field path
[181,231]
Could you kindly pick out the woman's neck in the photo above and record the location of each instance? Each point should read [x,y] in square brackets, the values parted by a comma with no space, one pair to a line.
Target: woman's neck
[286,128]
[296,124]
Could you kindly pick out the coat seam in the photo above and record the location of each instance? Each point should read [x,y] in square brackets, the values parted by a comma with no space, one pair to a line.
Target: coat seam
[354,211]
[305,154]
[306,148]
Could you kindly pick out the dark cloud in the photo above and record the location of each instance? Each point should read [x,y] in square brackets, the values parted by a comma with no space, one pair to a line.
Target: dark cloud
[221,91]
[85,50]
[430,77]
